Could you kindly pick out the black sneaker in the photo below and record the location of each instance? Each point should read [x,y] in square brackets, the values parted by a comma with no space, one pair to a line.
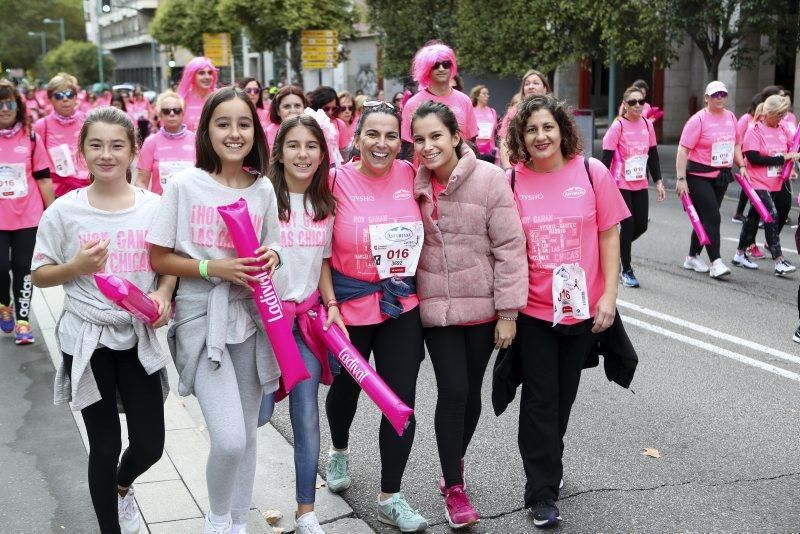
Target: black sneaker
[545,514]
[738,218]
[796,336]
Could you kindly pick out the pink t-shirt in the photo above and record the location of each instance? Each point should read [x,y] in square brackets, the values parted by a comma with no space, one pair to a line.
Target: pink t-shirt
[61,143]
[21,203]
[141,108]
[345,134]
[193,109]
[711,139]
[562,214]
[744,122]
[437,189]
[631,142]
[766,141]
[163,156]
[263,118]
[457,101]
[486,118]
[507,118]
[361,201]
[272,132]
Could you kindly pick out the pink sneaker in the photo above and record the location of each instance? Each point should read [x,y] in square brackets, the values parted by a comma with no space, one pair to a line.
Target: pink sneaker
[458,509]
[754,252]
[443,488]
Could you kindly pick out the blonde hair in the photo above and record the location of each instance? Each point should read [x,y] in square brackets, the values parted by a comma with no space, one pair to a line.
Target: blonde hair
[165,95]
[773,105]
[358,103]
[61,80]
[345,94]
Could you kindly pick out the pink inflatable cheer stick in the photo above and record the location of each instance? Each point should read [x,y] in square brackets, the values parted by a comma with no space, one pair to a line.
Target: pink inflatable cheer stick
[755,200]
[688,207]
[127,296]
[654,113]
[794,147]
[394,409]
[278,328]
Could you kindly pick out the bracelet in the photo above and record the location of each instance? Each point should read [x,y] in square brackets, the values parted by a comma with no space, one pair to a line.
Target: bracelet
[506,317]
[330,303]
[681,178]
[203,268]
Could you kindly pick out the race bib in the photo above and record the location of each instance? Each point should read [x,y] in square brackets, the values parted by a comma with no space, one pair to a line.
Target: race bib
[62,160]
[485,130]
[167,168]
[636,168]
[13,180]
[774,171]
[722,154]
[396,248]
[570,297]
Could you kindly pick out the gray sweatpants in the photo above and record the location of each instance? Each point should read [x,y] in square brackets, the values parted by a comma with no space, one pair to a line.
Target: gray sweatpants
[230,397]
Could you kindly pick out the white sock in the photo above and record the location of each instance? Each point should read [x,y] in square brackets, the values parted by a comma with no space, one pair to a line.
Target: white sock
[332,450]
[387,501]
[219,520]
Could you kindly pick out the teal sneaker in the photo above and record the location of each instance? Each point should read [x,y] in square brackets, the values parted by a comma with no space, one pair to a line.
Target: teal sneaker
[336,477]
[398,513]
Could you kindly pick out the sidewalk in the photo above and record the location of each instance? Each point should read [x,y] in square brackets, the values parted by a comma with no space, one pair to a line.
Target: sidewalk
[172,495]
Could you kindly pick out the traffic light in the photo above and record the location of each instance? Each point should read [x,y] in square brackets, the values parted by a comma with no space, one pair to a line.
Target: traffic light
[105,6]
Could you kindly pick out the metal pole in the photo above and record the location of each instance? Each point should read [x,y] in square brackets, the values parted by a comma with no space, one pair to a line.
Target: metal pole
[99,43]
[61,27]
[153,58]
[612,88]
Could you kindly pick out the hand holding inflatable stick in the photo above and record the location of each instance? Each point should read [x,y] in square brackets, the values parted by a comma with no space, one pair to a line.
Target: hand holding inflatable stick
[690,210]
[279,330]
[795,146]
[127,296]
[755,200]
[387,401]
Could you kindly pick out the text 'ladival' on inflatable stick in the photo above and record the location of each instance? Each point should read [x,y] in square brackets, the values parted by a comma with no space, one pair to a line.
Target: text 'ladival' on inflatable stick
[688,207]
[127,296]
[279,330]
[755,200]
[387,401]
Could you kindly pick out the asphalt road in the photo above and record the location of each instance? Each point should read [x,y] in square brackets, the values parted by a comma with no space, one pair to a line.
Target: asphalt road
[720,404]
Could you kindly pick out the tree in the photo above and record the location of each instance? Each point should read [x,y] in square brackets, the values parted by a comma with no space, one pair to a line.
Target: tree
[19,50]
[183,22]
[404,27]
[271,23]
[78,58]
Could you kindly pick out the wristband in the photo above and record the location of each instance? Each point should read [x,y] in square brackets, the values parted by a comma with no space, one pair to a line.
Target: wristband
[203,268]
[681,178]
[506,317]
[332,302]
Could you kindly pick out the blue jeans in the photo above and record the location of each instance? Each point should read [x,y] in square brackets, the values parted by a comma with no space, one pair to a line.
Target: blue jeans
[304,413]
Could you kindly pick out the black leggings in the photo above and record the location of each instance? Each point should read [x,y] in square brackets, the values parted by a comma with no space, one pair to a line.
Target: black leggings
[742,204]
[16,253]
[398,349]
[551,372]
[459,355]
[635,225]
[706,195]
[120,371]
[778,203]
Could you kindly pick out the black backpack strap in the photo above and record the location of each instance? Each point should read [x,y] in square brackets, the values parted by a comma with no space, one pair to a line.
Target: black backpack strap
[513,178]
[335,174]
[588,174]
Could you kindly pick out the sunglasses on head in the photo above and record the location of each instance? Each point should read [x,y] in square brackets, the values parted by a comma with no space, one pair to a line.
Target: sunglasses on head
[62,95]
[444,64]
[171,111]
[373,103]
[634,101]
[10,105]
[253,90]
[719,94]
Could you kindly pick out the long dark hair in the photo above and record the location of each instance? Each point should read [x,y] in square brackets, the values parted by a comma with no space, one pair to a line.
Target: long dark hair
[444,114]
[323,203]
[285,91]
[243,83]
[9,92]
[208,160]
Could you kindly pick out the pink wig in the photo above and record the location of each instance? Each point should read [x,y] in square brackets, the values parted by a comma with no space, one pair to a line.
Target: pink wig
[426,57]
[189,72]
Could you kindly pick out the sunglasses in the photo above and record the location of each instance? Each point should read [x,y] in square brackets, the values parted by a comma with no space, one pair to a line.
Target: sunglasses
[633,102]
[345,108]
[443,64]
[330,109]
[171,111]
[10,105]
[64,95]
[373,103]
[719,94]
[253,90]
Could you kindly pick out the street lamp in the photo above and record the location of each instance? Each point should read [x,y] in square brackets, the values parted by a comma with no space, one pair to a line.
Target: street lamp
[43,36]
[60,23]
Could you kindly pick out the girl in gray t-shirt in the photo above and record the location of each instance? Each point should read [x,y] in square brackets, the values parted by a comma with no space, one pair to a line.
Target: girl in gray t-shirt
[106,351]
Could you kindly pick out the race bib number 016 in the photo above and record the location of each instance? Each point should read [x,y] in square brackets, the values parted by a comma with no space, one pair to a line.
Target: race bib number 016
[396,248]
[13,182]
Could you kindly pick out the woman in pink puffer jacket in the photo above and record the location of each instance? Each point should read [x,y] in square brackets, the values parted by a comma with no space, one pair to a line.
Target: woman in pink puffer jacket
[472,279]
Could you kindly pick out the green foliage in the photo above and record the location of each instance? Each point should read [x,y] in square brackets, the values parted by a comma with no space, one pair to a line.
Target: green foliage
[403,27]
[17,49]
[183,23]
[78,58]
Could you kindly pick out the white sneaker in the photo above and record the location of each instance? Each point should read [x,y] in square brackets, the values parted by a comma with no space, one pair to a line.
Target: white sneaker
[695,264]
[307,524]
[210,528]
[718,269]
[741,260]
[784,267]
[238,528]
[130,520]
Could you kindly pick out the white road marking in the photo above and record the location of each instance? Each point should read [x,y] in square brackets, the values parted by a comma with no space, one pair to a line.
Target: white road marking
[711,348]
[710,332]
[736,240]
